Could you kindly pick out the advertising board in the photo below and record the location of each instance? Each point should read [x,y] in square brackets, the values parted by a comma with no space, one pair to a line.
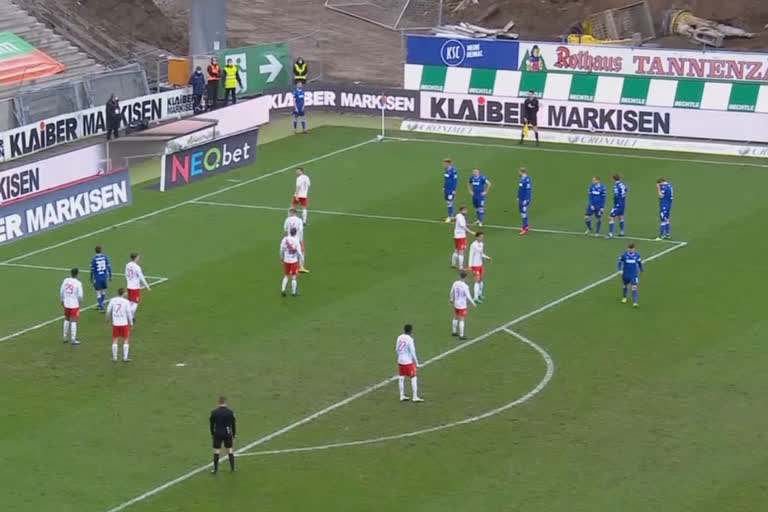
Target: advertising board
[353,100]
[464,53]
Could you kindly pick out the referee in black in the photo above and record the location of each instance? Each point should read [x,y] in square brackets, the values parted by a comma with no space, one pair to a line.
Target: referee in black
[223,431]
[530,115]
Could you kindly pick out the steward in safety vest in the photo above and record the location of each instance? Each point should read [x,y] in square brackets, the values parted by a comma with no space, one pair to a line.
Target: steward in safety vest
[300,71]
[231,81]
[214,74]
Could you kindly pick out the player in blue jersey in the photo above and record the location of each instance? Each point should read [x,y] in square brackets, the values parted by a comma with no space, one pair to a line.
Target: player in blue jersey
[524,198]
[666,195]
[478,187]
[450,184]
[595,205]
[101,272]
[619,204]
[630,266]
[298,109]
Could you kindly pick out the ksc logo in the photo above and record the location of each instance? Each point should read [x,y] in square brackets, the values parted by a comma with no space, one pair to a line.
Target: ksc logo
[453,52]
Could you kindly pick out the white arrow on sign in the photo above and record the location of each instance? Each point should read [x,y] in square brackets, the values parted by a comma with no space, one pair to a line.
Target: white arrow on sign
[273,68]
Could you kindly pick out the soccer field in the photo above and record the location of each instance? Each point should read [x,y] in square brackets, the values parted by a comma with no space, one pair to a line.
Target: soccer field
[561,399]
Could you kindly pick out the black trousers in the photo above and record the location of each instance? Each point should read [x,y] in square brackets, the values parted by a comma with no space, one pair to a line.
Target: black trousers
[227,94]
[197,100]
[213,91]
[112,127]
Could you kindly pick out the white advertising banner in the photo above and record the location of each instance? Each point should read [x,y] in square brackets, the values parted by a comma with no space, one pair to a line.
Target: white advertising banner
[64,170]
[55,131]
[649,62]
[242,116]
[597,117]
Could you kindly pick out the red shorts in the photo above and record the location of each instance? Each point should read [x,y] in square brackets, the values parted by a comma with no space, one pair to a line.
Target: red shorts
[72,313]
[291,269]
[461,243]
[121,331]
[478,271]
[460,312]
[407,370]
[303,201]
[134,295]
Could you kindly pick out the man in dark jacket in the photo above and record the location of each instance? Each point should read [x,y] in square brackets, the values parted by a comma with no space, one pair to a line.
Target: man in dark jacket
[214,75]
[197,81]
[113,116]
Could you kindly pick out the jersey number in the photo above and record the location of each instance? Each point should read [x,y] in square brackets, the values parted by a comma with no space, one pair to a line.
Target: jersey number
[101,266]
[69,289]
[401,346]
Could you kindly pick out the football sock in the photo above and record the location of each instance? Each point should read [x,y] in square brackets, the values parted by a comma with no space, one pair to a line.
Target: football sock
[304,214]
[537,136]
[126,348]
[454,258]
[624,292]
[295,124]
[588,222]
[450,210]
[215,461]
[415,386]
[66,328]
[304,124]
[285,282]
[294,285]
[101,301]
[661,230]
[610,227]
[525,220]
[621,227]
[461,260]
[669,228]
[401,385]
[482,288]
[74,331]
[477,290]
[455,324]
[635,296]
[114,350]
[599,225]
[232,461]
[461,327]
[481,214]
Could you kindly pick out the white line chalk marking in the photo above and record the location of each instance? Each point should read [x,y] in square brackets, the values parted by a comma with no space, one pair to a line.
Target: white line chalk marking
[379,385]
[62,269]
[535,391]
[414,219]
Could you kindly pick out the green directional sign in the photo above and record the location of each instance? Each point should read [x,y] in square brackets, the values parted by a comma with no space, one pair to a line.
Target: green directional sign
[263,67]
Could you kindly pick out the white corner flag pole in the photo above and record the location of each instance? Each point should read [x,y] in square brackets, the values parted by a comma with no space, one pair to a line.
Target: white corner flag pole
[383,101]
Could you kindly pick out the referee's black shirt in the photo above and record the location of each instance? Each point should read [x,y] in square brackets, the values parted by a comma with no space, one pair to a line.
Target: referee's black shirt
[223,422]
[530,108]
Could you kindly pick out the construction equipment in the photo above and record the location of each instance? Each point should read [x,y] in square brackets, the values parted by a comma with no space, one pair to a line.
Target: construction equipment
[707,32]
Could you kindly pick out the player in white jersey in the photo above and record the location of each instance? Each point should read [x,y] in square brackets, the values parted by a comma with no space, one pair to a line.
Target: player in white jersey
[460,296]
[291,257]
[301,195]
[71,296]
[135,278]
[120,311]
[476,257]
[460,231]
[294,222]
[407,362]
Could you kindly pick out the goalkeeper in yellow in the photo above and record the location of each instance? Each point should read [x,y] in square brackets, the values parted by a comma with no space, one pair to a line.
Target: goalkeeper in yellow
[530,113]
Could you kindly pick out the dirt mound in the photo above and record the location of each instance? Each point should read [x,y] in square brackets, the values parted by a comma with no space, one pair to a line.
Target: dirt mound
[548,19]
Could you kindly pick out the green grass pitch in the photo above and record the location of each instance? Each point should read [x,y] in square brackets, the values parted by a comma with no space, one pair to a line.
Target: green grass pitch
[563,399]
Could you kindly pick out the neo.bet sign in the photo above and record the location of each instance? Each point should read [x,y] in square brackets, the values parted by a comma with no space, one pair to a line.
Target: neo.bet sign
[215,157]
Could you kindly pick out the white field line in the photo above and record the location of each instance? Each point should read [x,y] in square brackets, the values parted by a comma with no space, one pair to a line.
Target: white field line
[16,334]
[414,219]
[177,205]
[63,269]
[379,385]
[535,391]
[515,146]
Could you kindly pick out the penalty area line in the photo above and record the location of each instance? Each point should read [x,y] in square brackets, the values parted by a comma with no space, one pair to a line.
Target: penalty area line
[322,412]
[59,318]
[416,219]
[543,383]
[63,269]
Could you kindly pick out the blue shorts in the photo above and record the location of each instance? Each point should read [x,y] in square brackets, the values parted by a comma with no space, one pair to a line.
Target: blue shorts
[478,201]
[596,212]
[100,284]
[298,113]
[449,195]
[664,212]
[631,280]
[617,210]
[522,206]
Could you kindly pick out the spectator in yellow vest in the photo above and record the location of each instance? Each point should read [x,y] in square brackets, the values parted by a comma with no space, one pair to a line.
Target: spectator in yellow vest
[300,71]
[231,81]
